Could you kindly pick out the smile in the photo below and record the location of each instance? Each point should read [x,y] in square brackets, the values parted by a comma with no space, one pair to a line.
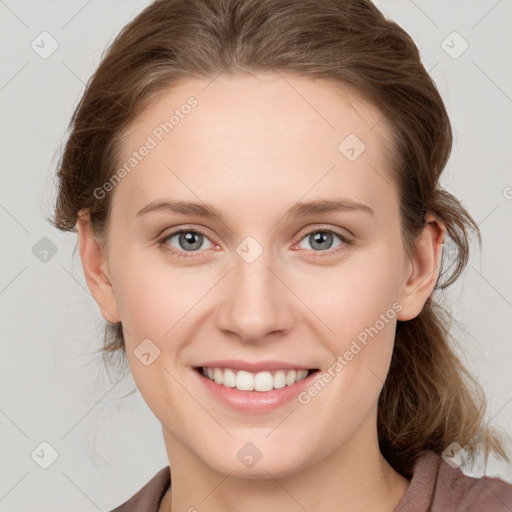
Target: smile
[254,391]
[249,381]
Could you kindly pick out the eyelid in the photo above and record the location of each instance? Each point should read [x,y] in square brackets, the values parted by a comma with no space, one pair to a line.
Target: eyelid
[341,232]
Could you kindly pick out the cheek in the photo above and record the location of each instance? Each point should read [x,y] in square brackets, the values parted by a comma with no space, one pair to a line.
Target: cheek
[145,306]
[151,296]
[358,307]
[155,304]
[353,296]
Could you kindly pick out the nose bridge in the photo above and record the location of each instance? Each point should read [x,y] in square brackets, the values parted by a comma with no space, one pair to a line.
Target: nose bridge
[254,304]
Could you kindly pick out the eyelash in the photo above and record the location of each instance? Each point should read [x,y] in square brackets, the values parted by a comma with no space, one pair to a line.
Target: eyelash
[184,254]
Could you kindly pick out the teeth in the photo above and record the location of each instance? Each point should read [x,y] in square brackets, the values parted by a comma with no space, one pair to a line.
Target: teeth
[229,378]
[290,377]
[247,381]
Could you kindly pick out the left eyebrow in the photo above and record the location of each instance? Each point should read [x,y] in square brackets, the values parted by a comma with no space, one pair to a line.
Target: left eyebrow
[297,210]
[325,206]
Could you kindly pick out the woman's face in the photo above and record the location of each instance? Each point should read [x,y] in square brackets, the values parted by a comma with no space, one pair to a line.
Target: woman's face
[266,284]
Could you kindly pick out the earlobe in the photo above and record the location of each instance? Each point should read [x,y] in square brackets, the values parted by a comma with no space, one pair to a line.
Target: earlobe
[425,264]
[96,271]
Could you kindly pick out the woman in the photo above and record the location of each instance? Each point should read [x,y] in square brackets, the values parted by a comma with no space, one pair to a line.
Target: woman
[285,375]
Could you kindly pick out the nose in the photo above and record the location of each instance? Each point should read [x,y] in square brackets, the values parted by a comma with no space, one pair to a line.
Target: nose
[256,304]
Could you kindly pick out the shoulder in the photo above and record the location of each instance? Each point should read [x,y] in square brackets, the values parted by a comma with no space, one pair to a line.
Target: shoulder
[438,487]
[148,497]
[463,492]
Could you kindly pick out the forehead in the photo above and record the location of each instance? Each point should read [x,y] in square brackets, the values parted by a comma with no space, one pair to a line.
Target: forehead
[257,135]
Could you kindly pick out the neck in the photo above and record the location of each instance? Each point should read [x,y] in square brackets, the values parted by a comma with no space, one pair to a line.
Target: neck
[349,479]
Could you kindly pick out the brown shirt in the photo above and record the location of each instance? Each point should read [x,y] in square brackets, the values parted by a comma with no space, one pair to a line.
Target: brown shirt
[435,487]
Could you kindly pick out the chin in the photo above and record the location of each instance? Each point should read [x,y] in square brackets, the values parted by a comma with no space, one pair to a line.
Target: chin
[248,463]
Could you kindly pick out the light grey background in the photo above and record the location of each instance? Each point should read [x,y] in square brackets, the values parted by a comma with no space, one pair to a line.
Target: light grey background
[53,388]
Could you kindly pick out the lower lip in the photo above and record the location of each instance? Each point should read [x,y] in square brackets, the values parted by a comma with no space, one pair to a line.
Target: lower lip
[255,401]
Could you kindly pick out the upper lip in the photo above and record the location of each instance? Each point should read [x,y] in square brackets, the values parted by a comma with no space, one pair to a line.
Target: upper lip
[254,366]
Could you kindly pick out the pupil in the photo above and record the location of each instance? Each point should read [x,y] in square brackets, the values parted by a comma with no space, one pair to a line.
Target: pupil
[320,238]
[189,237]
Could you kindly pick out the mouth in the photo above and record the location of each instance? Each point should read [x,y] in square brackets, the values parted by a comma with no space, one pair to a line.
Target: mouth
[253,386]
[260,382]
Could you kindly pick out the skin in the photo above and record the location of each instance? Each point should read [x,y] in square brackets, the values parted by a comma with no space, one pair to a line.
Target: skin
[253,147]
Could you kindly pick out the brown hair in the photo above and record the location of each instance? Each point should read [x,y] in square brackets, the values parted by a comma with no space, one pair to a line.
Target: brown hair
[429,400]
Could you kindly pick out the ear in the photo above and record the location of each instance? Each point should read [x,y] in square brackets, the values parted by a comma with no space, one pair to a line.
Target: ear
[95,267]
[424,268]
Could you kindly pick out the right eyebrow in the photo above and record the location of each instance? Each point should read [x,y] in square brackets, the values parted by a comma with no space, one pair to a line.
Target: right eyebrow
[184,207]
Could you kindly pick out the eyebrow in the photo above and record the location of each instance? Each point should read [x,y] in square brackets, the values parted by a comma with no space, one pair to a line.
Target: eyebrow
[297,210]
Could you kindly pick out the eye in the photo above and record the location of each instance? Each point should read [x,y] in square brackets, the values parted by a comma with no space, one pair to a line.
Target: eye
[321,240]
[187,240]
[192,240]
